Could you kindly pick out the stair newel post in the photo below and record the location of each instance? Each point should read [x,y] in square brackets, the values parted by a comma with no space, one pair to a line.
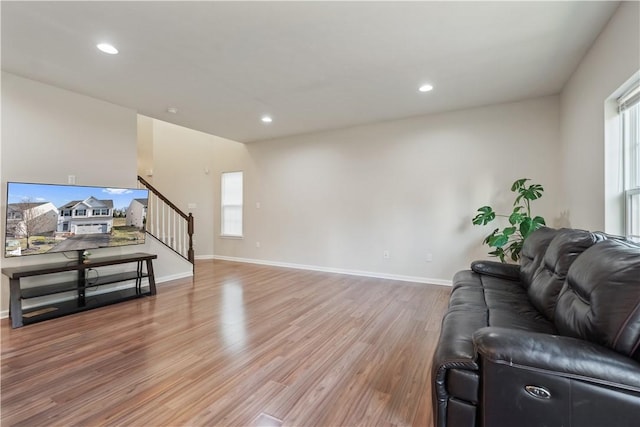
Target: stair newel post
[190,253]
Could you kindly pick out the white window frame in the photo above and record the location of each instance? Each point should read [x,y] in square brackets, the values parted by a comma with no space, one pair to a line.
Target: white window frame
[231,228]
[630,213]
[627,103]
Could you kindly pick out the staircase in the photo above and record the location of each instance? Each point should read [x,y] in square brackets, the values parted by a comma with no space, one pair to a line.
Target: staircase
[168,224]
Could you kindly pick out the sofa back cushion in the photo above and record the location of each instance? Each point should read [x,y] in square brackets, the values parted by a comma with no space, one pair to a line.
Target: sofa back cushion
[550,276]
[600,300]
[532,253]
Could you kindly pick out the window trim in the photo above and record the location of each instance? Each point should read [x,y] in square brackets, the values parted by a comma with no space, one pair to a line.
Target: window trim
[628,194]
[629,99]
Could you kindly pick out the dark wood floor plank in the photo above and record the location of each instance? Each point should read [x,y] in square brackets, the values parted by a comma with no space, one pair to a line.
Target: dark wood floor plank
[237,345]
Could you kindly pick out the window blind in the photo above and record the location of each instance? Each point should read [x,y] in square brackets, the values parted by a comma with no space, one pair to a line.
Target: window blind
[231,201]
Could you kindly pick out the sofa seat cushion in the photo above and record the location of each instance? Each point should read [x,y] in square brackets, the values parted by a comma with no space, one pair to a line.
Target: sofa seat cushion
[506,302]
[521,317]
[456,341]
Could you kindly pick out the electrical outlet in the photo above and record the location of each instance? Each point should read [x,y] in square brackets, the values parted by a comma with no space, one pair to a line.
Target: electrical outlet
[257,244]
[386,255]
[429,257]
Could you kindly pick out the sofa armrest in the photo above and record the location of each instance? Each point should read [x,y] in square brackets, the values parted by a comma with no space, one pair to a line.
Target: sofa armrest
[558,355]
[497,269]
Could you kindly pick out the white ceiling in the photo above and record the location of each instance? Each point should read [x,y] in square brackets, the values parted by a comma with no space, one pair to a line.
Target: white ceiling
[311,65]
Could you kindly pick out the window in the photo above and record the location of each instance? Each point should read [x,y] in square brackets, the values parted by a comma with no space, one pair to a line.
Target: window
[231,204]
[629,106]
[14,215]
[97,212]
[81,212]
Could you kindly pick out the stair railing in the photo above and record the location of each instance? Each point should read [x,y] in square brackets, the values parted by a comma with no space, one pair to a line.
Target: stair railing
[167,223]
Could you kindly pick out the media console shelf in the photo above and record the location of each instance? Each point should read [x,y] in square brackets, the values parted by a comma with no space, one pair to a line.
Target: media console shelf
[80,300]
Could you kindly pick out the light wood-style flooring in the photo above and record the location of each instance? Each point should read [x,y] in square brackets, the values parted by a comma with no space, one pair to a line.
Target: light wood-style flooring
[239,345]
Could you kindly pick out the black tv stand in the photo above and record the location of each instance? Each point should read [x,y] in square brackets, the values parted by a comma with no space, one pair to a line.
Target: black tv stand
[77,298]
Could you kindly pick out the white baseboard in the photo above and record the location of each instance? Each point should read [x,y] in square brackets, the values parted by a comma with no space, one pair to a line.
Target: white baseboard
[174,277]
[204,257]
[414,279]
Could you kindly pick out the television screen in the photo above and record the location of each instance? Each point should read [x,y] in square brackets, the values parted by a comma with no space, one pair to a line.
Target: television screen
[47,218]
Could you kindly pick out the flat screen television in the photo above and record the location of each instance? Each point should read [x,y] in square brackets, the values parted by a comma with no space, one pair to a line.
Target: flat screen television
[48,218]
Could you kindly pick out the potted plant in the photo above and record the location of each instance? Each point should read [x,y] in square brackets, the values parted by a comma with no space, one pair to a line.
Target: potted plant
[508,241]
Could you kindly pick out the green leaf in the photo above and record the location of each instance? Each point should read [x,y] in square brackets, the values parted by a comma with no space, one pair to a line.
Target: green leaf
[518,184]
[485,216]
[526,227]
[515,248]
[516,218]
[498,253]
[498,240]
[533,192]
[538,222]
[489,237]
[509,231]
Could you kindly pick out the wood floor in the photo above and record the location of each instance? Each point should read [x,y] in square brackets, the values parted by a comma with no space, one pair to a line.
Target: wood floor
[240,345]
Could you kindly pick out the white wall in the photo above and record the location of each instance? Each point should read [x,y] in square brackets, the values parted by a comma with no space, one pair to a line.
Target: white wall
[49,133]
[186,168]
[145,148]
[338,199]
[608,64]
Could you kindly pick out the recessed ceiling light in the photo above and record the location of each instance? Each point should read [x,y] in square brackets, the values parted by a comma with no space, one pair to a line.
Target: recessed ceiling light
[107,48]
[172,110]
[425,88]
[266,119]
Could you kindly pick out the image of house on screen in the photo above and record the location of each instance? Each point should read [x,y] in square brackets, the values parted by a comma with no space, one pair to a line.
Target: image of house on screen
[137,213]
[89,216]
[31,218]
